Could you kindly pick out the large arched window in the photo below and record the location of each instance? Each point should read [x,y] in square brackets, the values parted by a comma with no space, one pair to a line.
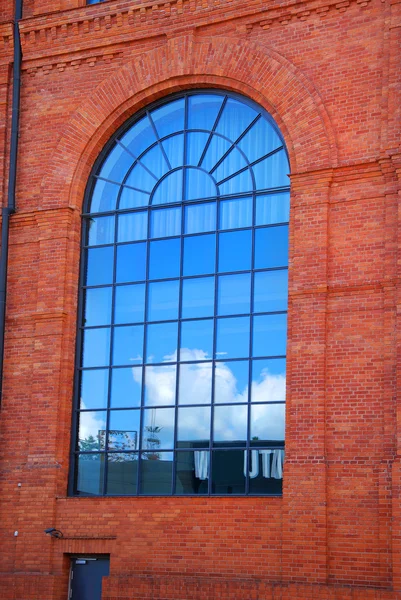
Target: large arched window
[182,333]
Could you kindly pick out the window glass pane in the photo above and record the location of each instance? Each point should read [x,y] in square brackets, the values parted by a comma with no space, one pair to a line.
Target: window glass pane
[160,385]
[163,300]
[260,140]
[97,303]
[117,164]
[234,294]
[203,110]
[133,198]
[164,259]
[174,149]
[272,208]
[169,189]
[196,340]
[236,213]
[199,254]
[100,231]
[192,472]
[200,217]
[169,118]
[90,469]
[269,335]
[198,297]
[126,385]
[268,380]
[232,338]
[271,247]
[195,383]
[271,291]
[235,251]
[93,388]
[228,472]
[133,227]
[131,263]
[267,423]
[158,429]
[122,473]
[141,179]
[266,471]
[230,424]
[235,118]
[272,171]
[99,269]
[238,184]
[104,196]
[198,184]
[139,137]
[155,161]
[217,147]
[156,473]
[130,304]
[161,343]
[128,345]
[92,430]
[124,429]
[193,427]
[232,163]
[231,381]
[96,347]
[196,143]
[165,222]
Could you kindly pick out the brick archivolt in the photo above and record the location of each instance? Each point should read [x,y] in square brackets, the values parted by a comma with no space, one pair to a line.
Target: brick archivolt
[183,63]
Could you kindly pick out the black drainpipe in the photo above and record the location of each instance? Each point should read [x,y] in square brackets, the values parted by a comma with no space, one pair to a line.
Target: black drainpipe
[10,208]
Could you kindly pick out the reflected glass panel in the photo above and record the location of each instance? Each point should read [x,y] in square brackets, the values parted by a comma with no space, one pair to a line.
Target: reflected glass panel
[156,473]
[217,147]
[198,184]
[231,381]
[235,251]
[100,231]
[192,472]
[198,297]
[230,424]
[92,431]
[193,427]
[165,222]
[260,140]
[200,217]
[236,213]
[104,196]
[235,118]
[93,388]
[133,198]
[169,189]
[271,291]
[272,171]
[161,343]
[203,110]
[117,164]
[128,345]
[131,263]
[164,259]
[234,294]
[169,118]
[141,179]
[174,149]
[269,335]
[130,304]
[271,247]
[97,306]
[160,385]
[90,474]
[232,338]
[267,423]
[158,429]
[126,386]
[163,300]
[195,383]
[96,347]
[266,471]
[124,430]
[122,473]
[228,472]
[272,208]
[196,142]
[133,227]
[196,340]
[199,254]
[238,184]
[139,137]
[99,268]
[268,380]
[155,161]
[233,162]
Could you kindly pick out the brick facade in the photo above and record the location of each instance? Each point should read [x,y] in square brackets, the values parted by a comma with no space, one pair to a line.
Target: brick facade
[329,73]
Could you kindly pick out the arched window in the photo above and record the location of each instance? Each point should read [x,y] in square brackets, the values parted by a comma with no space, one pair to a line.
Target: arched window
[182,333]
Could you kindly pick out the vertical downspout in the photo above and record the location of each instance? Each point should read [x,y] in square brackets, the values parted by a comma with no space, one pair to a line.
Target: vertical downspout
[10,208]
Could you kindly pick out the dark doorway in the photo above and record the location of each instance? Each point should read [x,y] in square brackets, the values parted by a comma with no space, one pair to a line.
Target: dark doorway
[86,577]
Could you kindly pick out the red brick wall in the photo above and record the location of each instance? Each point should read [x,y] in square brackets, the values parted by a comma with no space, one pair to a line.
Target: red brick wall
[329,74]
